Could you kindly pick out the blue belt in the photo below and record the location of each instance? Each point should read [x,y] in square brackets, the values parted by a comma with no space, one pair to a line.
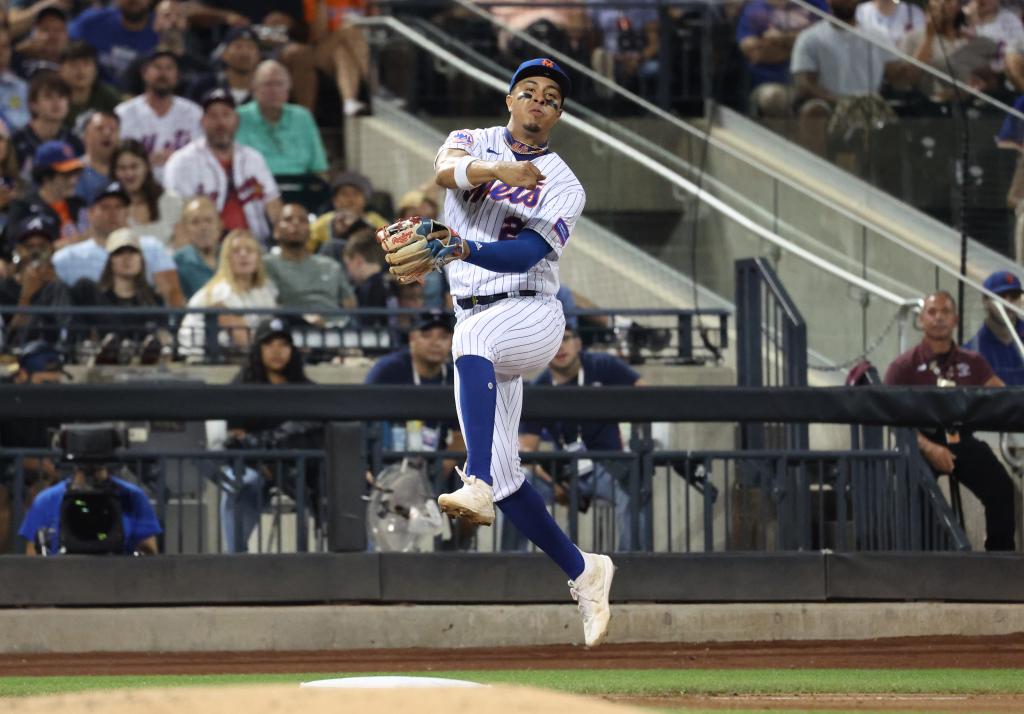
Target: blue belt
[471,302]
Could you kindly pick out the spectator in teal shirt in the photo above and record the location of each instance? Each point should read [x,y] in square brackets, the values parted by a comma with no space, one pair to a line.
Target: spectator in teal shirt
[284,133]
[197,261]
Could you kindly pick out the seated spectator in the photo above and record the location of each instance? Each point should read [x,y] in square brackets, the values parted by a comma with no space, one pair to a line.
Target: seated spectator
[87,258]
[13,89]
[48,97]
[170,23]
[765,32]
[273,359]
[34,283]
[239,54]
[628,53]
[55,171]
[284,20]
[153,211]
[985,18]
[122,285]
[285,134]
[44,44]
[307,281]
[240,282]
[100,132]
[945,43]
[38,363]
[606,481]
[363,260]
[197,260]
[994,340]
[564,26]
[427,360]
[160,120]
[250,200]
[340,48]
[831,64]
[79,68]
[938,361]
[891,18]
[416,203]
[120,33]
[351,191]
[42,522]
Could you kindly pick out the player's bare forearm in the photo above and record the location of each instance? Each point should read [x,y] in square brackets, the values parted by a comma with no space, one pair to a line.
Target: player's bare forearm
[520,174]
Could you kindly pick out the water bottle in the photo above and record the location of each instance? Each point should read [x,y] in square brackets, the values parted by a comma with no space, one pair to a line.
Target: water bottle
[398,437]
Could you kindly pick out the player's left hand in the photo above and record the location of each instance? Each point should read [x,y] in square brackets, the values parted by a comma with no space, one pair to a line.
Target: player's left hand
[416,246]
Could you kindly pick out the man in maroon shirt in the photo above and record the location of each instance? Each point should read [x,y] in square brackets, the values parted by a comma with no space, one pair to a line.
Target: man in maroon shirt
[937,361]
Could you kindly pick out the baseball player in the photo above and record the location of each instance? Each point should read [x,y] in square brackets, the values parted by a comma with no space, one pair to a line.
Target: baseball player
[510,207]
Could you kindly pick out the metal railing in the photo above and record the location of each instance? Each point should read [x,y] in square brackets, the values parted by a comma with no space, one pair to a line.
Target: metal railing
[771,344]
[195,334]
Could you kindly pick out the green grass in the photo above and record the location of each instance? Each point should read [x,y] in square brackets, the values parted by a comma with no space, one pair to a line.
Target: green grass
[645,682]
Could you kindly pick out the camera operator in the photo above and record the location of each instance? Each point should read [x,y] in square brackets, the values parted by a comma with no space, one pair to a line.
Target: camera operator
[35,282]
[69,516]
[273,359]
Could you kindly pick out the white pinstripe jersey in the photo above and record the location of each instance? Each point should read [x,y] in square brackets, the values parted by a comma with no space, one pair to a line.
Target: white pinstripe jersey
[494,211]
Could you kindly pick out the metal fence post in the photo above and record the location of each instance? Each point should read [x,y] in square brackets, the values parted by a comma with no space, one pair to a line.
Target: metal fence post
[346,486]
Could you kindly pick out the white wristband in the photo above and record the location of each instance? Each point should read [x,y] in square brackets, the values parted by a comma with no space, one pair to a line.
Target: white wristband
[462,172]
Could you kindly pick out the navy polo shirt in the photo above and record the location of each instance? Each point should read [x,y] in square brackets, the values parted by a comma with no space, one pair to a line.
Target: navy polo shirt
[1005,360]
[599,369]
[396,368]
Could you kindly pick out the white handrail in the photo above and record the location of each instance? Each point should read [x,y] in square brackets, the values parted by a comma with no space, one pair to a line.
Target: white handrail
[645,161]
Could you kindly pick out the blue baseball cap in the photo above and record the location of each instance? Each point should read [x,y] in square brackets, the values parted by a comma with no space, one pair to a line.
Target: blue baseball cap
[40,356]
[56,155]
[543,67]
[1003,281]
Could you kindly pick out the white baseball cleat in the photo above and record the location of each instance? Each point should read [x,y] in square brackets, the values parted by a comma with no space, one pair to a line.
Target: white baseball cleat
[474,501]
[590,591]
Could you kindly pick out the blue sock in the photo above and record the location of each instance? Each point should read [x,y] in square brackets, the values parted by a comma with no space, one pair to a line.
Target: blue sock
[526,509]
[478,398]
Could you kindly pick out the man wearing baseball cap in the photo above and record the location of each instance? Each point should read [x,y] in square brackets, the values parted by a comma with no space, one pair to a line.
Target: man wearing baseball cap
[350,192]
[232,175]
[34,282]
[239,55]
[994,340]
[55,170]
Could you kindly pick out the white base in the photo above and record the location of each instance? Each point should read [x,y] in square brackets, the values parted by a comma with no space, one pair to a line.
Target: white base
[388,683]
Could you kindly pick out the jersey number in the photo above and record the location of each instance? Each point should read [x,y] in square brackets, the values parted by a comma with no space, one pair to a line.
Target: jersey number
[510,228]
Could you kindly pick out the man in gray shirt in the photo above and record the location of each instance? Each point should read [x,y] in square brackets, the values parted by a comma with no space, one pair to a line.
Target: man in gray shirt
[830,63]
[304,280]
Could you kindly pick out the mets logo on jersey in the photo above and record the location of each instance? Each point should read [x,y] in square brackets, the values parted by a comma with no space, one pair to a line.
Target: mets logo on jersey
[461,138]
[497,191]
[562,230]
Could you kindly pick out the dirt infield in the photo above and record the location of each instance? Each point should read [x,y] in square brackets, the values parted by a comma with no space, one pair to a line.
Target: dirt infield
[899,653]
[280,699]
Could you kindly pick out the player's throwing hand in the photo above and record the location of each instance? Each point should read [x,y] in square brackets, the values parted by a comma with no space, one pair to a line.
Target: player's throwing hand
[519,174]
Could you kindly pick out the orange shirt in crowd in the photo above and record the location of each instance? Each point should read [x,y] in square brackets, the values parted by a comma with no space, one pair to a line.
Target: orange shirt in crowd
[336,11]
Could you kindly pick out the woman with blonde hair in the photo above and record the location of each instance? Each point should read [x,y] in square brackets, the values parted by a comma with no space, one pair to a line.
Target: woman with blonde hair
[240,282]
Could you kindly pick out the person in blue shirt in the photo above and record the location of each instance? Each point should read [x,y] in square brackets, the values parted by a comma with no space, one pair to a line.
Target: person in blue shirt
[42,522]
[424,361]
[120,33]
[574,366]
[994,340]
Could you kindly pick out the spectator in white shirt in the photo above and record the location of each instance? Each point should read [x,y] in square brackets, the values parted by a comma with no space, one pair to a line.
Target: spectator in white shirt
[235,177]
[891,18]
[241,281]
[153,211]
[985,18]
[160,120]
